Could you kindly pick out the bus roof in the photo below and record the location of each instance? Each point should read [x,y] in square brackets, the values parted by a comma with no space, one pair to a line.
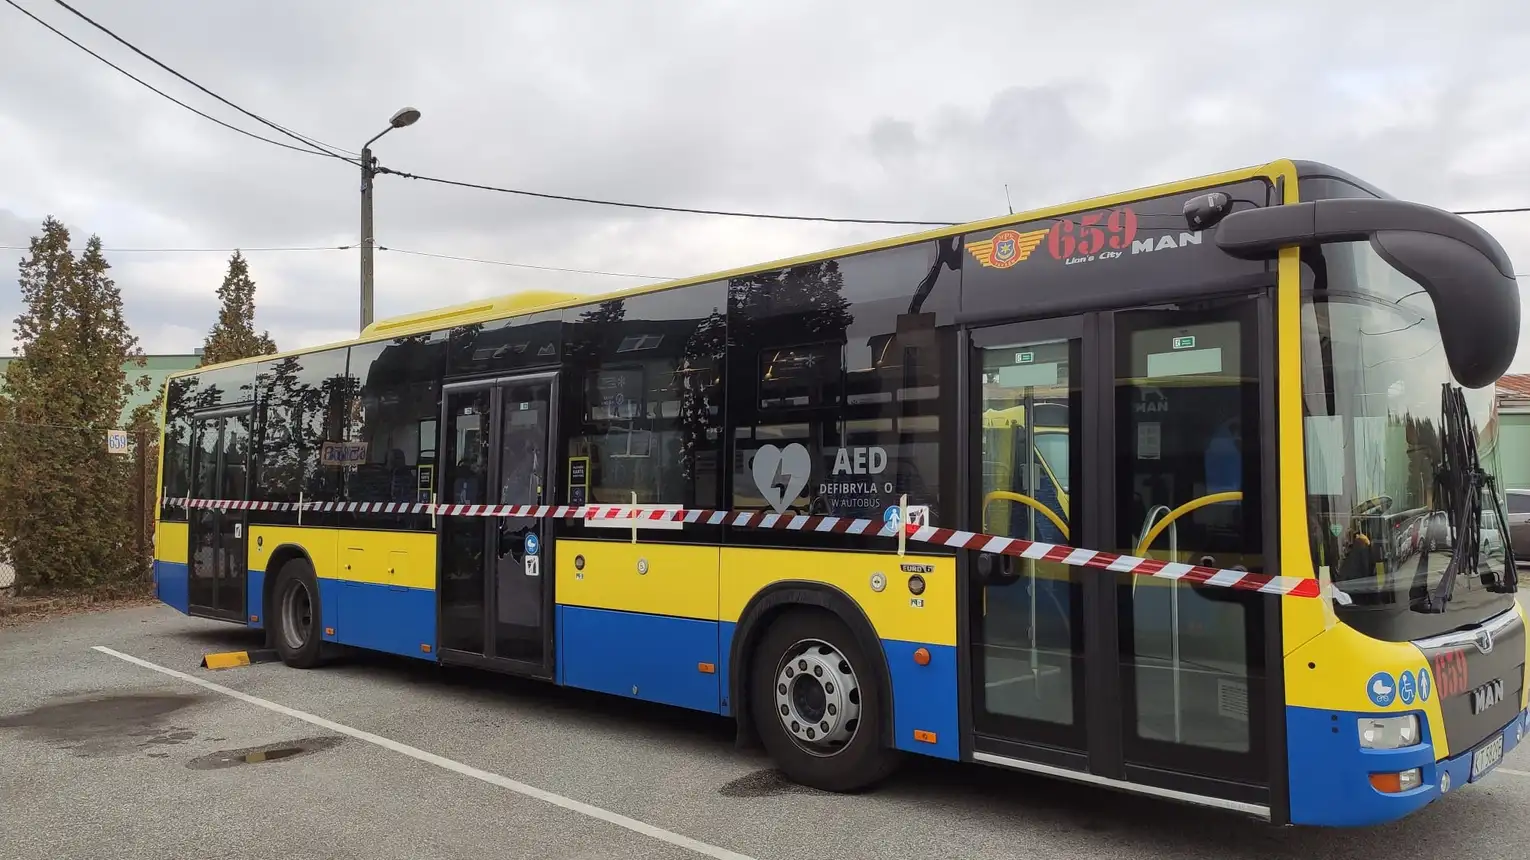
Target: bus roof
[537,301]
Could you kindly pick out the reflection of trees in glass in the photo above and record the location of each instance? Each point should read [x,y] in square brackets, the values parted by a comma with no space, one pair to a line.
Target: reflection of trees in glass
[800,306]
[395,389]
[807,299]
[665,371]
[298,417]
[700,377]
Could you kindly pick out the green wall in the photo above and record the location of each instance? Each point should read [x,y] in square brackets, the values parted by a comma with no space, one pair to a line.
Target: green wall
[156,367]
[1514,449]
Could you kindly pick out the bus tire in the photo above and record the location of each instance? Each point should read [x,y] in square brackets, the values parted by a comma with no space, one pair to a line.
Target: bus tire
[298,629]
[808,666]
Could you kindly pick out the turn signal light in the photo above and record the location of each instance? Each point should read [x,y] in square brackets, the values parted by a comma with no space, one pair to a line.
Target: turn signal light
[1395,783]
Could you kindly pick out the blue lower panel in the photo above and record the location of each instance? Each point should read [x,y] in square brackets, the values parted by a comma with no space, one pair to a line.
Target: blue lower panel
[725,664]
[255,599]
[656,658]
[172,584]
[924,698]
[380,617]
[1330,773]
[329,608]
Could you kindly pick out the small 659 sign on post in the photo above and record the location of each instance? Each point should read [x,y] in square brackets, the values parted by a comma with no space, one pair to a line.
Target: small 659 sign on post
[118,442]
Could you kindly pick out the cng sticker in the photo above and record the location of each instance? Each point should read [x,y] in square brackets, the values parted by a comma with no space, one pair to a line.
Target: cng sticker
[1185,342]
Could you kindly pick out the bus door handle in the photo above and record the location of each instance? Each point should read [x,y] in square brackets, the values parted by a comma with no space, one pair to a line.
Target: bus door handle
[996,569]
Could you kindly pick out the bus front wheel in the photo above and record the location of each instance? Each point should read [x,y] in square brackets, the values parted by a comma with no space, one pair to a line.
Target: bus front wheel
[298,632]
[816,697]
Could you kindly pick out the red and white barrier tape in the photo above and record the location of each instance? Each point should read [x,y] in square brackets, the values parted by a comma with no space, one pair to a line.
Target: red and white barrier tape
[1240,580]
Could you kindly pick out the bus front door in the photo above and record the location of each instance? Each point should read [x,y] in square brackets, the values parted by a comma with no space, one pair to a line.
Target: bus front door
[217,559]
[495,573]
[1137,433]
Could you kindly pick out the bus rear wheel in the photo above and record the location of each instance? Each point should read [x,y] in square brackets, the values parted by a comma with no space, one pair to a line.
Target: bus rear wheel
[815,698]
[296,620]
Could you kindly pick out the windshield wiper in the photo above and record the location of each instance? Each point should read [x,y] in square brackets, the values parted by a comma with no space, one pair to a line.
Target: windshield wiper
[1460,481]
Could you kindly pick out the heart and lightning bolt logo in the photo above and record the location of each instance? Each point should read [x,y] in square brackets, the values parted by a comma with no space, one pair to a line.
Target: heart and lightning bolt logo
[781,473]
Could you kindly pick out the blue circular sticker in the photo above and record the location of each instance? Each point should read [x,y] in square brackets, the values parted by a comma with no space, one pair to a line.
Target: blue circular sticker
[1405,687]
[532,544]
[890,515]
[1424,685]
[1381,689]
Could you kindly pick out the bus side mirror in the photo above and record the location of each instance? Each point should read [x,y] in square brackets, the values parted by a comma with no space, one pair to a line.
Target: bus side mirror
[1466,273]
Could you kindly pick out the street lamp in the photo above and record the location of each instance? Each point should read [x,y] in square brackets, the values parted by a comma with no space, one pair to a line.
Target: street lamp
[405,117]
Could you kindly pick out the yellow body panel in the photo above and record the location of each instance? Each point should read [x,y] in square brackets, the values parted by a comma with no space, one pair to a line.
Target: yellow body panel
[894,612]
[677,580]
[172,542]
[355,555]
[1330,672]
[1524,689]
[1301,618]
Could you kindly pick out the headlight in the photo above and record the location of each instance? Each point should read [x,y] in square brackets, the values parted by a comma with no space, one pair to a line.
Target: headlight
[1388,733]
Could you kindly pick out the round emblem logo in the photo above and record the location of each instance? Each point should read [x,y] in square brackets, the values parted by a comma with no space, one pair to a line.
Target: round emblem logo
[1006,249]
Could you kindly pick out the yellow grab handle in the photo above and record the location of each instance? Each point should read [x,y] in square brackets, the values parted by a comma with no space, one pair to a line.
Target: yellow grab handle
[1187,507]
[1007,496]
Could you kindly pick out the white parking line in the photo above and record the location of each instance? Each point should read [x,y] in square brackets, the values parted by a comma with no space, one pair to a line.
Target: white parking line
[521,788]
[1512,772]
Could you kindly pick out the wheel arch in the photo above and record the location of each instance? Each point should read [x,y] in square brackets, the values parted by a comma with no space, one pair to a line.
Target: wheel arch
[280,556]
[778,598]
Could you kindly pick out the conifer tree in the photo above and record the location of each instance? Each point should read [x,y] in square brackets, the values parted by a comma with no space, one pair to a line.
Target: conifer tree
[65,506]
[234,334]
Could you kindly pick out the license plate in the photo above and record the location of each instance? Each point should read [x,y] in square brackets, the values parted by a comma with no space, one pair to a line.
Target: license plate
[1487,756]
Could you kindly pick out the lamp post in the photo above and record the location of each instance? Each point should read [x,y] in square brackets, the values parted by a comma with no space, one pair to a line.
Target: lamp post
[405,117]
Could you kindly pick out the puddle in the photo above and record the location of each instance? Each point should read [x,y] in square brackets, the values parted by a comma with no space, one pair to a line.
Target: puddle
[105,724]
[764,783]
[260,755]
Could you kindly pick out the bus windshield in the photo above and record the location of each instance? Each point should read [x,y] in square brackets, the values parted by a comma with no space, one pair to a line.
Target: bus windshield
[1373,370]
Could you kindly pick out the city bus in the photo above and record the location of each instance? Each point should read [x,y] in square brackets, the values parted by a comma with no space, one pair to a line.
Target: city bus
[891,500]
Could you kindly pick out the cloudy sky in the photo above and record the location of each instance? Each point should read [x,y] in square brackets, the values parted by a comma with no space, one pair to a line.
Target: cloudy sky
[885,109]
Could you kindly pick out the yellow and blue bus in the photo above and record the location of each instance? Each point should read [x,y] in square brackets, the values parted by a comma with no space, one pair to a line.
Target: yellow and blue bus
[1278,370]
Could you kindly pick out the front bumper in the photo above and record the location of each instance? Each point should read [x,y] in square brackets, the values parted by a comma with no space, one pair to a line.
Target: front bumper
[1330,773]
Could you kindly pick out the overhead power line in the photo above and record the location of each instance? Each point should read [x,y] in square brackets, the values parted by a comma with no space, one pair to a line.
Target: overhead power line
[1506,211]
[311,143]
[413,253]
[656,208]
[314,146]
[160,92]
[196,250]
[525,265]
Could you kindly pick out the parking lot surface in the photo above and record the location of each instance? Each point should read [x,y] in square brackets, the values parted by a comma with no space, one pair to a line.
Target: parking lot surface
[113,743]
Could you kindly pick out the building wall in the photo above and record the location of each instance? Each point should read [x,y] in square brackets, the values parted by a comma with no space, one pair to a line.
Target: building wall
[1514,449]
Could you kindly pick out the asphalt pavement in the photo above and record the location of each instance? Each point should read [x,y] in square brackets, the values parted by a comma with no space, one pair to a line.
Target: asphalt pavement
[113,743]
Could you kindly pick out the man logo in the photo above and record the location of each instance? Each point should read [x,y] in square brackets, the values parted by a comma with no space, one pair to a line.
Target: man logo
[1487,695]
[1484,640]
[781,473]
